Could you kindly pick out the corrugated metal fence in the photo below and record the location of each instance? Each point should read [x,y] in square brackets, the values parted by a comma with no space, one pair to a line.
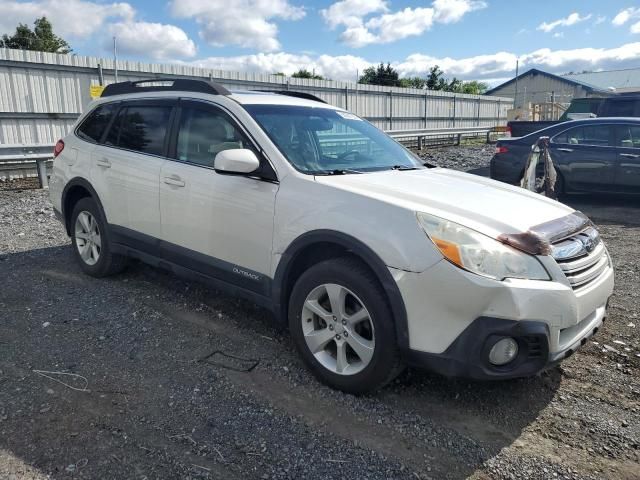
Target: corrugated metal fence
[41,95]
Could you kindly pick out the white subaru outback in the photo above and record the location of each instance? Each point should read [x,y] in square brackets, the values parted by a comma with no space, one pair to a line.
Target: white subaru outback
[372,259]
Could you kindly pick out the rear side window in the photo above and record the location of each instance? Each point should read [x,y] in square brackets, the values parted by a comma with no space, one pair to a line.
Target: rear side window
[97,122]
[621,108]
[141,129]
[594,135]
[628,136]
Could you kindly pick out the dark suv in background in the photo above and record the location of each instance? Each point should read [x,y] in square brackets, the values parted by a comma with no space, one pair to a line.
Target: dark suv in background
[597,154]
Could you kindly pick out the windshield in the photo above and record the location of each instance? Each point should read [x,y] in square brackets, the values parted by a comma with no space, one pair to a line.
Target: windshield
[324,141]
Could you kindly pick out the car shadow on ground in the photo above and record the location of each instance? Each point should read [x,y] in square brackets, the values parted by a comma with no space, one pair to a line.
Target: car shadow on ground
[142,332]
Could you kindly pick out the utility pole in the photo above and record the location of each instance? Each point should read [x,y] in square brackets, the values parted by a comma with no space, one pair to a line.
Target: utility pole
[115,59]
[515,95]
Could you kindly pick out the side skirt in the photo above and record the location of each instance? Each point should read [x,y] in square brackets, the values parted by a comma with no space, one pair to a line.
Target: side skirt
[231,279]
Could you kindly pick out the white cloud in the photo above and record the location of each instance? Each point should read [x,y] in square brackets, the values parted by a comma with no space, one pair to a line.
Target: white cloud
[70,18]
[451,11]
[155,40]
[351,12]
[343,67]
[625,15]
[360,28]
[600,19]
[245,23]
[572,19]
[490,67]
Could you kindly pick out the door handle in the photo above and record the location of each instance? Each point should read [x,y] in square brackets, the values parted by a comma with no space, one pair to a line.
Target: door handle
[103,162]
[629,155]
[565,149]
[174,180]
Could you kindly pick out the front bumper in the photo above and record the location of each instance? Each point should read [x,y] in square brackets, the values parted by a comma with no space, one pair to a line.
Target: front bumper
[454,317]
[468,355]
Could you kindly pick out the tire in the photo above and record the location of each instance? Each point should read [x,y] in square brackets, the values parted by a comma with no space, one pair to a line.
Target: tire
[90,235]
[366,323]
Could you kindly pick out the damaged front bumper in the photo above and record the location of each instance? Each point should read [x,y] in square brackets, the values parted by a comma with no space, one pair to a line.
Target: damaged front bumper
[455,318]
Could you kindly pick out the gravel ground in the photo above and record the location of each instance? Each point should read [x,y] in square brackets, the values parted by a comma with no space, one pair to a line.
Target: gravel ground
[156,395]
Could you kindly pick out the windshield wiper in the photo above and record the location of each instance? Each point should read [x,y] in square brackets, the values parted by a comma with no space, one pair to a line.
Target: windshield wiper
[338,171]
[403,167]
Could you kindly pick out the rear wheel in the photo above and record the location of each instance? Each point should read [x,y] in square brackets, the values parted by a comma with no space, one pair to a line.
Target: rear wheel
[343,327]
[91,240]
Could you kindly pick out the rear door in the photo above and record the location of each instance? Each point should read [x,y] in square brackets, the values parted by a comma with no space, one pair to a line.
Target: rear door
[627,175]
[126,170]
[585,156]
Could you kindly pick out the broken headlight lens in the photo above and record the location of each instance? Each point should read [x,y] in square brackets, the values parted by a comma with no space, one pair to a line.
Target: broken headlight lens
[479,253]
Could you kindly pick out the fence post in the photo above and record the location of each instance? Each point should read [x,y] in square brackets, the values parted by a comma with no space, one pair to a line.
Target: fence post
[346,98]
[41,167]
[390,109]
[420,143]
[459,139]
[453,117]
[100,75]
[478,116]
[426,123]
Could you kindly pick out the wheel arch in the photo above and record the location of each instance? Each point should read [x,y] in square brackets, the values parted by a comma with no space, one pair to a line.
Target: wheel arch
[76,189]
[319,245]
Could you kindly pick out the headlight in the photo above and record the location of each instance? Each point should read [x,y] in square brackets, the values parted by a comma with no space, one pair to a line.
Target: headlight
[478,253]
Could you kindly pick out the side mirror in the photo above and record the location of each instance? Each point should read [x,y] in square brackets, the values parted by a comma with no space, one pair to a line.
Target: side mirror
[236,160]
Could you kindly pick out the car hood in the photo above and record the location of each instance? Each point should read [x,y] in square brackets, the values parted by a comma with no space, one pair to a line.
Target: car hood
[486,205]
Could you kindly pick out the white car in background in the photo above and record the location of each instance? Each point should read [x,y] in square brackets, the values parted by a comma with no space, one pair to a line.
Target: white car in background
[373,260]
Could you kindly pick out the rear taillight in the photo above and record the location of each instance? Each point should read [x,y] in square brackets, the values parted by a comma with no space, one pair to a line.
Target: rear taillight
[57,150]
[501,149]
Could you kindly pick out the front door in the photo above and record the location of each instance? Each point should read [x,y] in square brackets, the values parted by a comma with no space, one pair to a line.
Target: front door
[585,156]
[218,224]
[627,176]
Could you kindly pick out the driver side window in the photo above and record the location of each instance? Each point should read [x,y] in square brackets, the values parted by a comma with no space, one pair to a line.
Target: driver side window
[203,133]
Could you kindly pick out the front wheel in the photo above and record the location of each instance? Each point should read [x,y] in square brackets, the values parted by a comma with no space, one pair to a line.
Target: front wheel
[343,327]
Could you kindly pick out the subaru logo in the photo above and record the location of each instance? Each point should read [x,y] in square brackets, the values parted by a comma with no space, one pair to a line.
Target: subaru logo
[589,244]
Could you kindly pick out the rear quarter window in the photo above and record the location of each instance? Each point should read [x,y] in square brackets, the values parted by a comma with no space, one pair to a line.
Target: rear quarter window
[96,122]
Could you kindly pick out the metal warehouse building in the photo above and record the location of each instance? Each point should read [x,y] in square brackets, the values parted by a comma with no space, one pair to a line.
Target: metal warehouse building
[620,81]
[537,87]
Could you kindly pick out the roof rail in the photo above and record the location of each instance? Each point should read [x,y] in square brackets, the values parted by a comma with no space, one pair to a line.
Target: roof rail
[293,93]
[176,85]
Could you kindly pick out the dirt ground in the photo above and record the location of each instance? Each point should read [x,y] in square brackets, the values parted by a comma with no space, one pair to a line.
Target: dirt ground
[175,380]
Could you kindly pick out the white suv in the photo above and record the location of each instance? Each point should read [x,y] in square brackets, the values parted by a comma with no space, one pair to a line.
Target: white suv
[372,259]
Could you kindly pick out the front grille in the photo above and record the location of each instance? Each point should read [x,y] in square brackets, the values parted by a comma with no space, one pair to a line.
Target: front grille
[582,257]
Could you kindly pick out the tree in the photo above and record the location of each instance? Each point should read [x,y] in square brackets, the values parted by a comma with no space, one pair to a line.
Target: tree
[304,73]
[41,38]
[474,87]
[380,75]
[413,82]
[437,81]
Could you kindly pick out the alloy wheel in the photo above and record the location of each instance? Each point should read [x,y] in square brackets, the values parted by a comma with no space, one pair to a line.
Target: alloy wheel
[338,329]
[88,239]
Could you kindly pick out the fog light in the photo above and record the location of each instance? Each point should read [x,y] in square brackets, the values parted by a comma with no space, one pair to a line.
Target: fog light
[504,351]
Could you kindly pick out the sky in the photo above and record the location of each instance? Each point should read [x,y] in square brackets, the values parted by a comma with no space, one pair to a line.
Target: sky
[468,39]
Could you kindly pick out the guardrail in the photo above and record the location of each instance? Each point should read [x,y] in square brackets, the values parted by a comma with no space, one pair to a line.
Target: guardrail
[25,160]
[22,160]
[457,133]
